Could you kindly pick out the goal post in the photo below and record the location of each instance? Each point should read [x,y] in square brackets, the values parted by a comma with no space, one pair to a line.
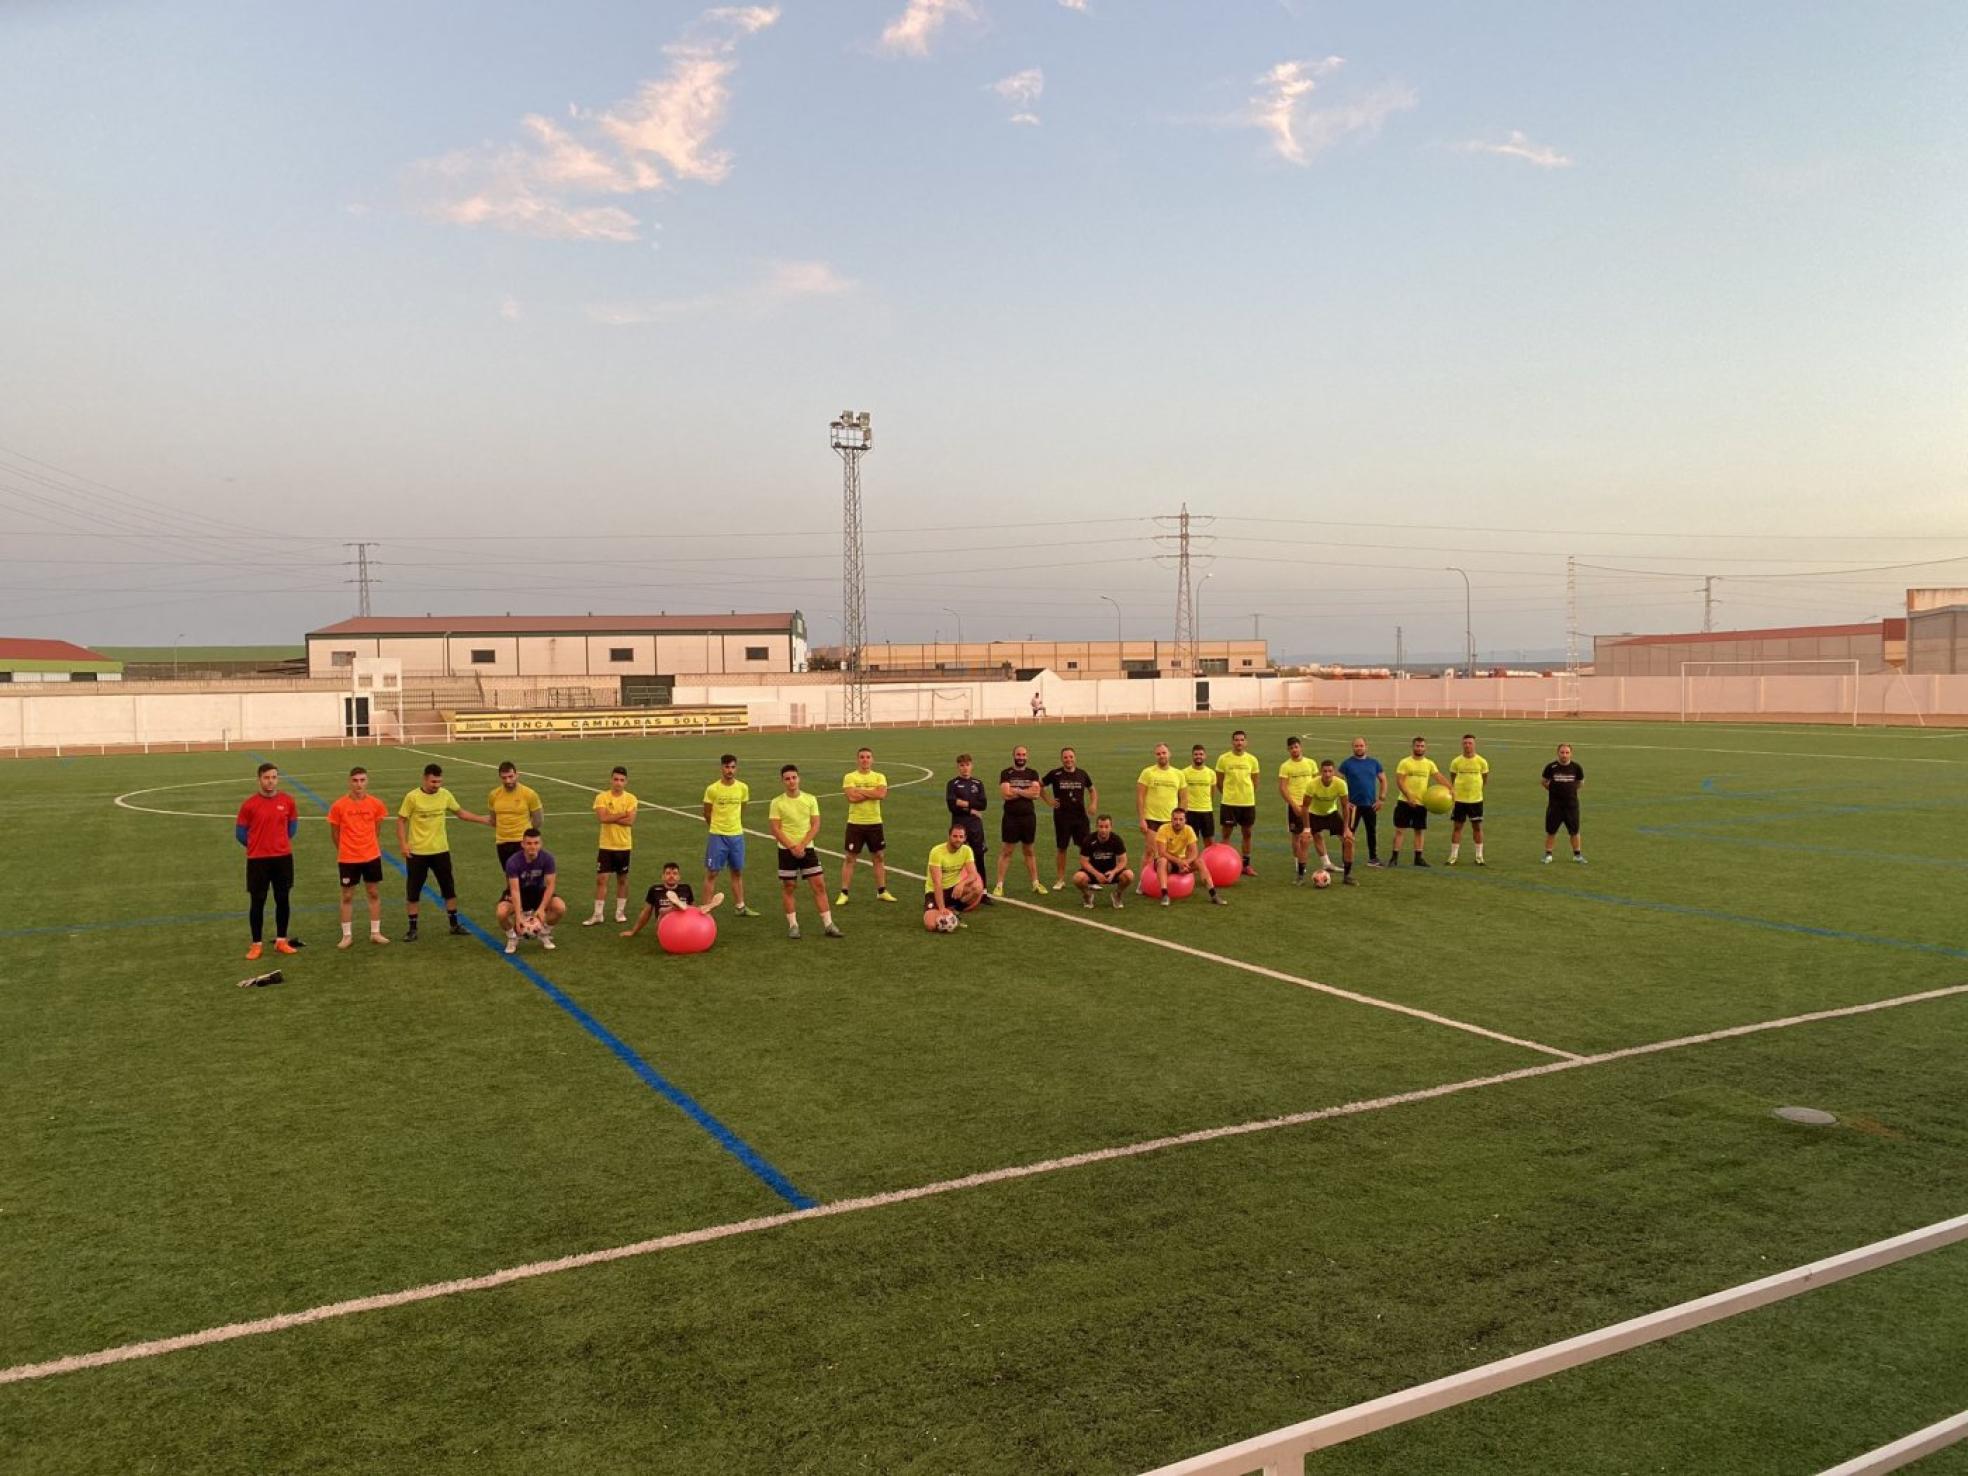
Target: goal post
[1788,687]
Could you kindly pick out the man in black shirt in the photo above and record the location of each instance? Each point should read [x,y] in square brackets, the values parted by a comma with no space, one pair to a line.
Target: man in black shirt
[964,797]
[1019,825]
[1072,796]
[1562,782]
[1103,863]
[671,894]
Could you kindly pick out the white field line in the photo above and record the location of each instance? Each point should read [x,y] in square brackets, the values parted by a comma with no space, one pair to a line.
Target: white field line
[74,1363]
[1232,963]
[1286,1449]
[1906,1450]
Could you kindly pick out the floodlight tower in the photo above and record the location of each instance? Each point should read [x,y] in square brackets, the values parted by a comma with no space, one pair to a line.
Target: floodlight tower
[852,436]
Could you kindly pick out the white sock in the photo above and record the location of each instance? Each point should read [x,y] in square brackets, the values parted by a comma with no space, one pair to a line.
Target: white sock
[348,930]
[512,935]
[600,909]
[1479,850]
[826,919]
[1455,850]
[375,925]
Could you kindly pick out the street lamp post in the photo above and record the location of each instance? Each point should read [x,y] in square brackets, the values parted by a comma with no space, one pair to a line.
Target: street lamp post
[948,611]
[176,641]
[1196,656]
[1468,635]
[1117,621]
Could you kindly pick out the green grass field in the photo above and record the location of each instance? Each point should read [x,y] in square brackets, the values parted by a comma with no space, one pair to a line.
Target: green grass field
[203,653]
[182,1155]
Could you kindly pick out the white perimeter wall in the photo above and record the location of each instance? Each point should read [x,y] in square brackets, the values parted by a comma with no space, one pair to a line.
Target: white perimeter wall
[136,718]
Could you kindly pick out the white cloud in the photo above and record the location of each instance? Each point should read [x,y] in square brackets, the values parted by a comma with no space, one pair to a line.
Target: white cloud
[1516,146]
[1030,119]
[542,185]
[509,308]
[779,283]
[911,32]
[1020,91]
[1282,107]
[1074,4]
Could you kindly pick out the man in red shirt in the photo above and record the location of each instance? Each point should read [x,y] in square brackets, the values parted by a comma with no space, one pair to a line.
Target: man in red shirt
[265,827]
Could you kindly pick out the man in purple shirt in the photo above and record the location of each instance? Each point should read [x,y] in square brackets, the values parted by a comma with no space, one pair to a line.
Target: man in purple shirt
[529,904]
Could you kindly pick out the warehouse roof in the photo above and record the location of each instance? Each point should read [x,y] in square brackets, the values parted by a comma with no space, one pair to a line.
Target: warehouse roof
[23,648]
[425,625]
[1891,630]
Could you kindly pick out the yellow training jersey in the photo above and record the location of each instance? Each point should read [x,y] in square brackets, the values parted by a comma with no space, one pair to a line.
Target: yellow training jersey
[1239,771]
[611,808]
[1177,845]
[947,865]
[1199,790]
[1322,798]
[1164,791]
[1412,776]
[795,814]
[1297,774]
[727,802]
[512,811]
[1469,773]
[864,812]
[426,813]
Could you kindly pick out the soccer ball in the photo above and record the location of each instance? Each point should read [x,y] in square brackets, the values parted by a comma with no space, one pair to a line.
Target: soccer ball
[531,926]
[1322,879]
[943,921]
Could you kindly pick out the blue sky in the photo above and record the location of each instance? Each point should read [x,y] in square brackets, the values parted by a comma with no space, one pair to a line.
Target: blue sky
[527,297]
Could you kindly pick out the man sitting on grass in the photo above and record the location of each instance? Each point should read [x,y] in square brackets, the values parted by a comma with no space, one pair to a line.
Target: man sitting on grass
[671,894]
[1103,863]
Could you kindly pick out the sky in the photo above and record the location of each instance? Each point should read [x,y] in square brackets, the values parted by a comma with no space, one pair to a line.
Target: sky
[554,306]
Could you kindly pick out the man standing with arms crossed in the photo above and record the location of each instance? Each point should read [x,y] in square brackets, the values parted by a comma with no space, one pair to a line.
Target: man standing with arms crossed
[1366,791]
[1019,825]
[1199,785]
[724,820]
[355,821]
[1239,769]
[965,798]
[796,826]
[1295,775]
[515,808]
[1072,796]
[865,790]
[1469,769]
[1412,777]
[265,826]
[1157,791]
[425,844]
[616,809]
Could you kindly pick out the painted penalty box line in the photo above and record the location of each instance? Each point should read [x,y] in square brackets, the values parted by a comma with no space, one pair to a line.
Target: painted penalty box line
[650,1077]
[1352,996]
[157,1347]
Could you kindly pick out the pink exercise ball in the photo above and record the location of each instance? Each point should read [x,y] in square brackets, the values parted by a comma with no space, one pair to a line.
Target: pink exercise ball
[688,931]
[1181,884]
[1150,885]
[1224,863]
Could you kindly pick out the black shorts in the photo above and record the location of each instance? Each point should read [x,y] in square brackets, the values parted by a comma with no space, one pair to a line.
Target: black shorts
[1017,829]
[354,873]
[951,902]
[528,901]
[1294,822]
[1561,815]
[872,838]
[1410,816]
[792,868]
[1069,828]
[1203,822]
[1466,810]
[507,850]
[263,872]
[1245,815]
[417,868]
[612,863]
[1329,824]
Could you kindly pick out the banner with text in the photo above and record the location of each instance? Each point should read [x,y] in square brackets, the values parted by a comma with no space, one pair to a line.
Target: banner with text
[610,720]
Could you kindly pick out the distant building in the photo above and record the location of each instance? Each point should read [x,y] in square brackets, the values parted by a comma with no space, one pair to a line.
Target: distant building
[1937,640]
[1877,645]
[25,660]
[1071,659]
[630,646]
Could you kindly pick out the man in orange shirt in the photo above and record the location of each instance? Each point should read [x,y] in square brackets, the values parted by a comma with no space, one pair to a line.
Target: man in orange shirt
[352,821]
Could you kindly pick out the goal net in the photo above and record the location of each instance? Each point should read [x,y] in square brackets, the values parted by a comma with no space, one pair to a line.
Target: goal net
[1800,689]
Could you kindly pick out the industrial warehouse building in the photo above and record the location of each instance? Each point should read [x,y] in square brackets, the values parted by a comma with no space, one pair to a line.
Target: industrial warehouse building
[1069,659]
[1878,645]
[27,660]
[627,646]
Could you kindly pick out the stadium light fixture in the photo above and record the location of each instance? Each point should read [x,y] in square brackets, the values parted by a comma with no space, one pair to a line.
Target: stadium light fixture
[1117,620]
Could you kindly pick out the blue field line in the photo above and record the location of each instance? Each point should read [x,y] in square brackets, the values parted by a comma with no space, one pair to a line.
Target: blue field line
[1711,914]
[180,920]
[736,1146]
[1689,832]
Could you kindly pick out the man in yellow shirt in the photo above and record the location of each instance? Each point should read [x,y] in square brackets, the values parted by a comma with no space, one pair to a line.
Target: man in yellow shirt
[1179,851]
[425,844]
[1412,776]
[615,808]
[865,790]
[1325,814]
[1239,769]
[1468,770]
[1157,791]
[1294,775]
[953,882]
[796,826]
[1199,786]
[515,808]
[724,818]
